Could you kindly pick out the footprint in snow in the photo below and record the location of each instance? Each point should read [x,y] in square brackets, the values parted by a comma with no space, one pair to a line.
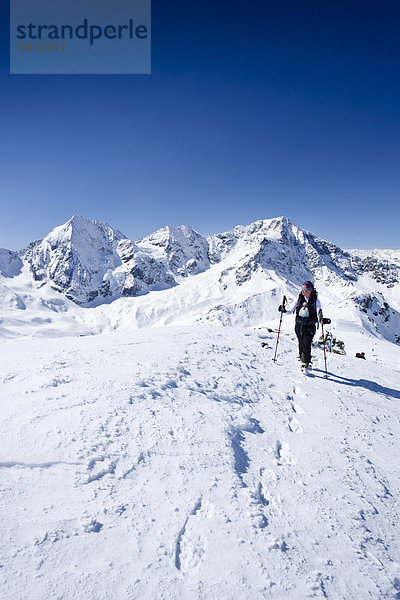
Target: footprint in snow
[268,474]
[278,544]
[168,384]
[90,524]
[298,391]
[192,550]
[256,502]
[183,372]
[316,585]
[283,454]
[260,495]
[190,545]
[296,408]
[294,426]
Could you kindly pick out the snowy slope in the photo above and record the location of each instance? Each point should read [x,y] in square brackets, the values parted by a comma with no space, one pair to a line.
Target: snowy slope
[182,462]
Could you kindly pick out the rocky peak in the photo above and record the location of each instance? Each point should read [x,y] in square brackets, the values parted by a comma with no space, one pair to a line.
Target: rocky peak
[279,245]
[75,258]
[80,231]
[183,250]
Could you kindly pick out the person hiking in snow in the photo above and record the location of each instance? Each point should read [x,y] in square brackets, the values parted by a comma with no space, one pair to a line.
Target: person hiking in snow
[308,310]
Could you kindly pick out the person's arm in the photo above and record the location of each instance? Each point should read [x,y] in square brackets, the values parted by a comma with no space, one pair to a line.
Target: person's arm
[291,310]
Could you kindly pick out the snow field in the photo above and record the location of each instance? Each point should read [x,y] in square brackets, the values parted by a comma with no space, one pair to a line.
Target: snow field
[182,462]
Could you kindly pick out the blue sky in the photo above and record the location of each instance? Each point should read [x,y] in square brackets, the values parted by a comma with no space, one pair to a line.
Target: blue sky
[252,110]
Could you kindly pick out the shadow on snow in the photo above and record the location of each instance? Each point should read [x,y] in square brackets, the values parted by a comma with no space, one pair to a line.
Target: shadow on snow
[371,386]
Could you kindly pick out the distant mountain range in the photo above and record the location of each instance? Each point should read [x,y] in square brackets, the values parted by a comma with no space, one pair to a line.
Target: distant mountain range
[228,278]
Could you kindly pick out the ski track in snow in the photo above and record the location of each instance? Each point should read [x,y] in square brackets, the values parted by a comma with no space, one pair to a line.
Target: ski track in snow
[183,463]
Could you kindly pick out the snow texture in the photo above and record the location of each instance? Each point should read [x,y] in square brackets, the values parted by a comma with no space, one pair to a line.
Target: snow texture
[183,463]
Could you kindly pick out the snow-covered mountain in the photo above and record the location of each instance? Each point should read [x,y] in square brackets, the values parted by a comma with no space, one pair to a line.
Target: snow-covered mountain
[91,262]
[77,258]
[277,247]
[176,275]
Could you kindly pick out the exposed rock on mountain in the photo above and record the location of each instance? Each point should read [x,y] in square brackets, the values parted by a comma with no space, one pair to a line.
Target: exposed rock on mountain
[382,271]
[89,260]
[76,258]
[10,263]
[379,316]
[142,273]
[181,250]
[280,246]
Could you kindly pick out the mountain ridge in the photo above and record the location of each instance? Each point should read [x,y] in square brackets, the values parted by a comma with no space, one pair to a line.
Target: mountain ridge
[177,275]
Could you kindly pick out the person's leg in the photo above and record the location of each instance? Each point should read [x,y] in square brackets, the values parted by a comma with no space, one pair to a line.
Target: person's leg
[301,333]
[299,340]
[308,335]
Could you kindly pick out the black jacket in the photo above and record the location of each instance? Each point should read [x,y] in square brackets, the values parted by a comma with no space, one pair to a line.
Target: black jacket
[312,310]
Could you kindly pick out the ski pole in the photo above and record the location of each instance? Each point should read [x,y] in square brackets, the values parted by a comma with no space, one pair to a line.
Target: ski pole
[323,341]
[279,330]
